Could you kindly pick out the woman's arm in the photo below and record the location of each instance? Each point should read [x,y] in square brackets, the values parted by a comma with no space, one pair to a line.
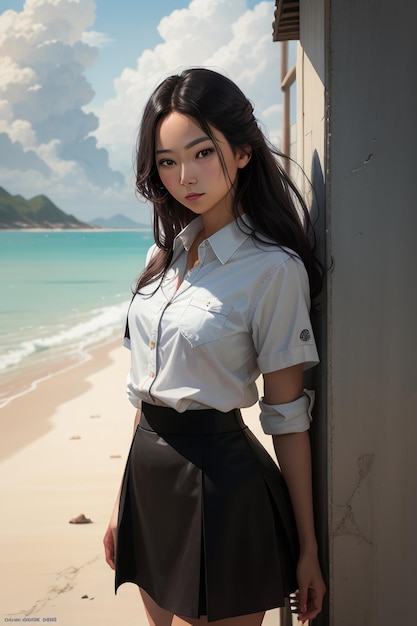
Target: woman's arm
[110,537]
[294,457]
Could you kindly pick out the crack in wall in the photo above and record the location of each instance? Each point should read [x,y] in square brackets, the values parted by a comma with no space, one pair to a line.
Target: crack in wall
[348,524]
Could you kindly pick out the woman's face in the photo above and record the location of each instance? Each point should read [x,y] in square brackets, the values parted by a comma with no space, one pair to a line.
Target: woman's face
[190,168]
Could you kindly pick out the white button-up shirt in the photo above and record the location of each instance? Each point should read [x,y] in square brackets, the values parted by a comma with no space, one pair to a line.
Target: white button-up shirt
[242,311]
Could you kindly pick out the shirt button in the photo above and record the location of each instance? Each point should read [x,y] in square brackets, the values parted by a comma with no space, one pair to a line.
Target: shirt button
[152,374]
[151,344]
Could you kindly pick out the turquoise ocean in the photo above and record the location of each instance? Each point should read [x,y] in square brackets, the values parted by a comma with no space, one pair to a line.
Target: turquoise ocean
[61,294]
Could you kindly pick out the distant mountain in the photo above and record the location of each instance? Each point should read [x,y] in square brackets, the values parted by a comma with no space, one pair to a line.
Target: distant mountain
[38,212]
[119,222]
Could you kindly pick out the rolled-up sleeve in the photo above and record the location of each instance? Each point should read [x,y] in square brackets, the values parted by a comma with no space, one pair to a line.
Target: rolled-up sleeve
[281,326]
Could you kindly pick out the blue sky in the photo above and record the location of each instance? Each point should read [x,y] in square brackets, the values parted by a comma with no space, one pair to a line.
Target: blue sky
[75,75]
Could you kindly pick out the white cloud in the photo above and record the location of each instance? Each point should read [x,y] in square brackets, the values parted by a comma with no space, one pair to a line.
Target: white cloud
[20,131]
[221,34]
[96,39]
[14,157]
[44,89]
[272,118]
[15,80]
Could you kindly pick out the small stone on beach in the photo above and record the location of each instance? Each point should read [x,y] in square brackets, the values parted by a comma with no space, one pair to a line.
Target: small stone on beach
[80,519]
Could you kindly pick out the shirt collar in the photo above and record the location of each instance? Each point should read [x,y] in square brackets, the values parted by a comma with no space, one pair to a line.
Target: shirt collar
[224,242]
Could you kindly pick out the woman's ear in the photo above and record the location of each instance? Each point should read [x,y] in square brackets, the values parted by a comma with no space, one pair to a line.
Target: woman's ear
[243,154]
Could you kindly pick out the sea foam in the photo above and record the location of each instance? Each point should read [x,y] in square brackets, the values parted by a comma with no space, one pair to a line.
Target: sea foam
[101,324]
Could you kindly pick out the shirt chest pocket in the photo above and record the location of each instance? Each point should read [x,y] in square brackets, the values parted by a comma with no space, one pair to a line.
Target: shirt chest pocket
[203,320]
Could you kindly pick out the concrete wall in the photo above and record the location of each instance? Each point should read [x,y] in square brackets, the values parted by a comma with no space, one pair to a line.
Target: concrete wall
[358,111]
[371,61]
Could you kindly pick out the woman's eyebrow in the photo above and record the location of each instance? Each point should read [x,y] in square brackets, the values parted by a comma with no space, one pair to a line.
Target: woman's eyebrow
[189,145]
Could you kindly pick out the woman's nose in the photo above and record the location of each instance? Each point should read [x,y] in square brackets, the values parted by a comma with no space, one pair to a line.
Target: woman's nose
[187,177]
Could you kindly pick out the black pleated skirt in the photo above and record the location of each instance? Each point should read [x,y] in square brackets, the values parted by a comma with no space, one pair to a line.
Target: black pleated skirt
[205,521]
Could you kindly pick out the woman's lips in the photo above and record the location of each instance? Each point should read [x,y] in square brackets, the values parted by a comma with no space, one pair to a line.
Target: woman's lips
[193,196]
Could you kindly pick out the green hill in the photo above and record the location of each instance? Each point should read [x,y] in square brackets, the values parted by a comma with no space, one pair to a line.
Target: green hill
[38,212]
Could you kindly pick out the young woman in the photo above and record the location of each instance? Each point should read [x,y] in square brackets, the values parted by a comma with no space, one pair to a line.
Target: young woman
[205,523]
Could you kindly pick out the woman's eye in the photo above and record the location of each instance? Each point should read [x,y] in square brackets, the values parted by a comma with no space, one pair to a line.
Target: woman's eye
[166,162]
[204,153]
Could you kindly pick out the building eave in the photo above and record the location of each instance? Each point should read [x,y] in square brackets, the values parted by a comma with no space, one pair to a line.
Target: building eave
[286,24]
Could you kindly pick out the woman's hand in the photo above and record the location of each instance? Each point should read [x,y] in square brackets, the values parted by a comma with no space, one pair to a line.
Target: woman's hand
[311,588]
[109,542]
[110,537]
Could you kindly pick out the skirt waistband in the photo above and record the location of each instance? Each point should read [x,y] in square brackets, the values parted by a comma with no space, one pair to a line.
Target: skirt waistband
[166,420]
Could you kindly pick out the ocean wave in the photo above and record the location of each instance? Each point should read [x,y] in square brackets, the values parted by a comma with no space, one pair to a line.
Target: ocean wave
[100,325]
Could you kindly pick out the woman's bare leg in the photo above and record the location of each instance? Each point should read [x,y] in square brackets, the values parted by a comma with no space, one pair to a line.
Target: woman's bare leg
[155,614]
[158,616]
[254,619]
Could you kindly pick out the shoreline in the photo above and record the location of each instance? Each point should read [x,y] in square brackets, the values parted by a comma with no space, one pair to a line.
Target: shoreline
[37,402]
[20,383]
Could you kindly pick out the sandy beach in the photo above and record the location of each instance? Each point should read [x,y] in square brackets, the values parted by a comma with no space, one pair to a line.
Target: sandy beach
[62,454]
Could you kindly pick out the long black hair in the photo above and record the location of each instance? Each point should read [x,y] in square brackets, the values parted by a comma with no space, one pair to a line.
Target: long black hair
[263,190]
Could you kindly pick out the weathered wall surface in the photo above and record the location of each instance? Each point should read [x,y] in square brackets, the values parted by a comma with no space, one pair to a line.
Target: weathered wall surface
[371,56]
[357,123]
